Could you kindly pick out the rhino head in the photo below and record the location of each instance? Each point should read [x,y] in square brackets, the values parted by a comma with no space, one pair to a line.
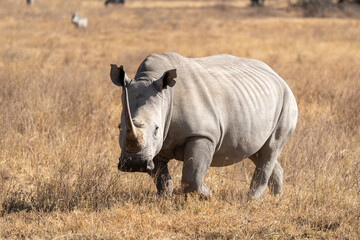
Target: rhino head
[144,118]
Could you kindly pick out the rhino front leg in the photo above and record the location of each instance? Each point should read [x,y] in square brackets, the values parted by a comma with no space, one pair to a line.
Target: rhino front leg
[162,178]
[198,154]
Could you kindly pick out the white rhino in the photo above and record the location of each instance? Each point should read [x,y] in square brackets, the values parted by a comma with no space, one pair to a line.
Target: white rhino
[207,112]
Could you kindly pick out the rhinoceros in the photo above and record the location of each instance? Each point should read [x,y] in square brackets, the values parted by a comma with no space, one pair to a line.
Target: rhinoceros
[206,112]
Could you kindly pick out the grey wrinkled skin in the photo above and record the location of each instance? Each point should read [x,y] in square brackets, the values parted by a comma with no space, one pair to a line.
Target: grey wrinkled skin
[207,112]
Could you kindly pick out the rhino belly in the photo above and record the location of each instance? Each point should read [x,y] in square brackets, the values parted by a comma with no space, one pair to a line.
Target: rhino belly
[221,159]
[245,136]
[230,153]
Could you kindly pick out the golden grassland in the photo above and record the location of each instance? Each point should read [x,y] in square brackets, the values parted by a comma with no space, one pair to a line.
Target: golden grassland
[60,111]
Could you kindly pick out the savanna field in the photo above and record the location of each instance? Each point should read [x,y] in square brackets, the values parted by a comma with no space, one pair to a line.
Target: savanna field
[60,112]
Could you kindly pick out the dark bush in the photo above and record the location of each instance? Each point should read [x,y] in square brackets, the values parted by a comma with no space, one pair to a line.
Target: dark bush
[315,8]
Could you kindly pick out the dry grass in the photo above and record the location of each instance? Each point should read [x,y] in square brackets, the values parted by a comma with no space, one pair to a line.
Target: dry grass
[59,116]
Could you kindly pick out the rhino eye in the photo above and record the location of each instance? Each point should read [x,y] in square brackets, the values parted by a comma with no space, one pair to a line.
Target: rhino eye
[156,131]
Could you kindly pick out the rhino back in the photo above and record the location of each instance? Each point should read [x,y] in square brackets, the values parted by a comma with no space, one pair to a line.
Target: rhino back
[234,102]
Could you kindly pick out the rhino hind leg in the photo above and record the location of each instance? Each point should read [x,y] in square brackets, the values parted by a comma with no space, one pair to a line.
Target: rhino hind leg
[263,176]
[197,158]
[162,178]
[276,179]
[263,170]
[268,171]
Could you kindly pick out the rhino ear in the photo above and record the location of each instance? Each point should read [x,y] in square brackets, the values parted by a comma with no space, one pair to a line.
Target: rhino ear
[118,75]
[166,80]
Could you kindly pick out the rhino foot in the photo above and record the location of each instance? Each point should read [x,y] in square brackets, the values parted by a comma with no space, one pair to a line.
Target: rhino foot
[162,178]
[203,191]
[166,189]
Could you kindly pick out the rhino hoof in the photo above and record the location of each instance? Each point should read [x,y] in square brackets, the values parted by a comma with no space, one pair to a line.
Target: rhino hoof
[167,190]
[205,193]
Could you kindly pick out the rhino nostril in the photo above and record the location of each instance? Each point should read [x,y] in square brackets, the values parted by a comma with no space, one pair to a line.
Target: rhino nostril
[120,165]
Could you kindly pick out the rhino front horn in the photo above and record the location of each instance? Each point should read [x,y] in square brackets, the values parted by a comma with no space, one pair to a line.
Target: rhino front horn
[133,138]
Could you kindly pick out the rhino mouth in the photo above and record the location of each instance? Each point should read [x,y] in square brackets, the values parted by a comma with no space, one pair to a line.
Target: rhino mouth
[130,164]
